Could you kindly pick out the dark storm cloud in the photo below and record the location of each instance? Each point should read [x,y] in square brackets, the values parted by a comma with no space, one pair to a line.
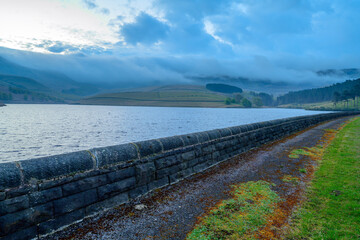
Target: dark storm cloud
[145,30]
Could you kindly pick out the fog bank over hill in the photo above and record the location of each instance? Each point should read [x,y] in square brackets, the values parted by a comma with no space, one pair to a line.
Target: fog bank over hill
[263,45]
[258,74]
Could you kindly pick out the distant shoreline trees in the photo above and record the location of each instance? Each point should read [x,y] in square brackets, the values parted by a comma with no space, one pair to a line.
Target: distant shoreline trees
[346,95]
[322,94]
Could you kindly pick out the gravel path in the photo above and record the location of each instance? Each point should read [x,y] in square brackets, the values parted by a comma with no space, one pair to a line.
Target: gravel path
[171,213]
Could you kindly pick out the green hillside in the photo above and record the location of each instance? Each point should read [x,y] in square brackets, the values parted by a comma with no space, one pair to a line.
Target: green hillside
[23,83]
[166,98]
[55,81]
[14,89]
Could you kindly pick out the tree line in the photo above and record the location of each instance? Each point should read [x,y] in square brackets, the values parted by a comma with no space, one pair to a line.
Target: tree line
[346,95]
[253,100]
[336,92]
[27,95]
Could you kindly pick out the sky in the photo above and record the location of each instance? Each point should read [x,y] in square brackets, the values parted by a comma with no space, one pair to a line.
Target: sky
[168,41]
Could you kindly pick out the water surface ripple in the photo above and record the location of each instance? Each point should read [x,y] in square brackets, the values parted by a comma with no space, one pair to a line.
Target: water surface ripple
[32,131]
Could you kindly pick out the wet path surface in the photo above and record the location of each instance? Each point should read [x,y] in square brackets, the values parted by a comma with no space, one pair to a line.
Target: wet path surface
[171,213]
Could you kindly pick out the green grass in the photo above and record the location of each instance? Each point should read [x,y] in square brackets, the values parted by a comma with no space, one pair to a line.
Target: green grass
[290,179]
[241,216]
[295,153]
[332,209]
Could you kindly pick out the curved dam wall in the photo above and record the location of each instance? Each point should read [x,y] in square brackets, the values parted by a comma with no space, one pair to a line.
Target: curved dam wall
[39,196]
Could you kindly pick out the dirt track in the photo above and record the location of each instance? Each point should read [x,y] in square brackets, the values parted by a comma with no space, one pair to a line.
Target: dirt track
[172,212]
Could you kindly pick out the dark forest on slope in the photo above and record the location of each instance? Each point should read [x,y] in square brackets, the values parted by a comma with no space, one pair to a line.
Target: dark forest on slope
[320,94]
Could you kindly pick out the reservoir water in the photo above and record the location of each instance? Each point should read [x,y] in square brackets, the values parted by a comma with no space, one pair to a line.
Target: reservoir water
[32,131]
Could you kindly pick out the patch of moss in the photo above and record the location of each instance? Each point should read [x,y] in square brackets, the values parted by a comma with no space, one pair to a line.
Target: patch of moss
[297,152]
[241,216]
[290,179]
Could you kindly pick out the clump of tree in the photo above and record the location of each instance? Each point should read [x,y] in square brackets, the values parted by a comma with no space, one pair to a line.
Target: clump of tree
[6,96]
[27,95]
[18,90]
[246,103]
[253,99]
[257,102]
[317,94]
[262,99]
[346,95]
[223,88]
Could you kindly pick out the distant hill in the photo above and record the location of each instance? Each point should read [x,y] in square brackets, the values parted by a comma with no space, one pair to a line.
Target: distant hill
[346,72]
[53,80]
[22,82]
[14,89]
[317,94]
[182,96]
[168,88]
[169,98]
[257,85]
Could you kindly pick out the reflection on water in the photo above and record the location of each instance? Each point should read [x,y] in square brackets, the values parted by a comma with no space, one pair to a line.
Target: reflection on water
[31,130]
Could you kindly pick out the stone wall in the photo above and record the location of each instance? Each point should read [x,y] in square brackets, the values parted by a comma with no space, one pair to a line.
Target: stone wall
[39,196]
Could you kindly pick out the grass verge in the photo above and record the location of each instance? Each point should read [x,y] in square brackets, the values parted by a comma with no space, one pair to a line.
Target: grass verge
[332,208]
[241,216]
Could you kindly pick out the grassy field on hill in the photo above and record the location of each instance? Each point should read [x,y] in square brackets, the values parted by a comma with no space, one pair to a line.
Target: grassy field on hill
[182,96]
[165,99]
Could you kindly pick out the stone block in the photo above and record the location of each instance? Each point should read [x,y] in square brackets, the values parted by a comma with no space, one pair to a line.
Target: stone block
[114,201]
[145,173]
[115,154]
[15,192]
[20,220]
[198,151]
[115,188]
[180,175]
[9,175]
[216,156]
[170,143]
[193,162]
[60,221]
[54,183]
[76,201]
[55,166]
[170,170]
[158,183]
[214,134]
[45,196]
[148,148]
[83,185]
[225,132]
[208,149]
[200,167]
[139,191]
[235,130]
[220,145]
[189,139]
[2,196]
[167,161]
[188,156]
[202,136]
[28,233]
[121,174]
[14,204]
